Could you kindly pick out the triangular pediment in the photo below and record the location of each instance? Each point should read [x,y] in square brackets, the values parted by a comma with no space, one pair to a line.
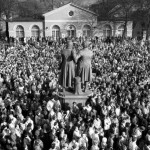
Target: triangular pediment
[62,8]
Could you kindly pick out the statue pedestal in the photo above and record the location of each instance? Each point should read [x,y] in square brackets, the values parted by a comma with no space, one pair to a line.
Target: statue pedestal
[69,97]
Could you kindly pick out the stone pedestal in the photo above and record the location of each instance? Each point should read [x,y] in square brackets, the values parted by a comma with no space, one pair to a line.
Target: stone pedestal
[69,97]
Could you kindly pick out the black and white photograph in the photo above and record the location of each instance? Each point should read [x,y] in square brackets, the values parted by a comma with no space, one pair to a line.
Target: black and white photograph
[74,74]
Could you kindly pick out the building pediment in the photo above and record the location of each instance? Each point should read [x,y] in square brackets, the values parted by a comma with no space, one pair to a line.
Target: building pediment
[66,6]
[69,12]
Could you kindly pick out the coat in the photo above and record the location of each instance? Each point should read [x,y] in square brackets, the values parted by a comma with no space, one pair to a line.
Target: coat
[67,67]
[84,67]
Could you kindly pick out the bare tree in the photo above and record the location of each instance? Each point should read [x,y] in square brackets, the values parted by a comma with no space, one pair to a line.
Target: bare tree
[30,8]
[124,9]
[7,10]
[90,18]
[144,13]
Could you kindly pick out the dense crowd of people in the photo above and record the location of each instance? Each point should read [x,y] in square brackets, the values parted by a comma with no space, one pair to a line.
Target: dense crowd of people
[116,115]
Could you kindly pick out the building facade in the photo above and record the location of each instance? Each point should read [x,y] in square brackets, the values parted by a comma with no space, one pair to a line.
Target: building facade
[69,20]
[141,29]
[113,28]
[21,29]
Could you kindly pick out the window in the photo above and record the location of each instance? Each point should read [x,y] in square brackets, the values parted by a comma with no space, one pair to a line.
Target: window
[107,32]
[120,30]
[56,32]
[35,31]
[87,31]
[71,13]
[71,31]
[20,32]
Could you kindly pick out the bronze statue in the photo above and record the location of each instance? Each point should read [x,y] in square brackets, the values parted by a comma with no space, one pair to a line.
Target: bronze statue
[72,76]
[67,74]
[84,68]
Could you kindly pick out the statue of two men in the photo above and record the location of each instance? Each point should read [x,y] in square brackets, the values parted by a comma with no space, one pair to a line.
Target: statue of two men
[69,72]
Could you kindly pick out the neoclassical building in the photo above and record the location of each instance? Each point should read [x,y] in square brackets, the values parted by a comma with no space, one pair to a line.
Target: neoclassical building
[69,20]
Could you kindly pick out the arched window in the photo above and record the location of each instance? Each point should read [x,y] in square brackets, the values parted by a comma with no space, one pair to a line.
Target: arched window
[107,31]
[87,30]
[71,30]
[56,32]
[20,31]
[120,30]
[35,31]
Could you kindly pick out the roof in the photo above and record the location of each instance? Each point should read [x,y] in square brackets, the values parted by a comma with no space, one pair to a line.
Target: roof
[71,4]
[26,19]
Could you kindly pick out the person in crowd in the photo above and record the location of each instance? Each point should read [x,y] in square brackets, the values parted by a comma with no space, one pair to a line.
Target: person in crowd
[116,115]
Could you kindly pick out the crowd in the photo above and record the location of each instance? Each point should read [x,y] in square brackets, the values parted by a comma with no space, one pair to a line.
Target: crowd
[116,115]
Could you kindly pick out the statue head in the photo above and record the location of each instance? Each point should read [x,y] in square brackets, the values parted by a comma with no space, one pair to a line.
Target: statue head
[69,44]
[86,43]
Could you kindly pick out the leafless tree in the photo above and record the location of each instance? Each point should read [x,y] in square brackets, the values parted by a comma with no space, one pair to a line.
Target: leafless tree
[124,10]
[144,13]
[7,10]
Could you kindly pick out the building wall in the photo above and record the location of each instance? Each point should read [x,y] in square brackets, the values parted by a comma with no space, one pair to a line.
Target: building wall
[140,29]
[114,27]
[63,15]
[62,19]
[63,27]
[27,28]
[137,32]
[130,29]
[98,31]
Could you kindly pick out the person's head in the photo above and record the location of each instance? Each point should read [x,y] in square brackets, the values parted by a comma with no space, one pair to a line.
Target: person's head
[53,131]
[71,124]
[11,116]
[76,128]
[104,140]
[53,145]
[29,126]
[65,137]
[56,138]
[74,103]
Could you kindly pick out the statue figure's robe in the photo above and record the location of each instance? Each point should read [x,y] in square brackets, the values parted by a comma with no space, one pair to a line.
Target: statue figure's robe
[84,67]
[67,74]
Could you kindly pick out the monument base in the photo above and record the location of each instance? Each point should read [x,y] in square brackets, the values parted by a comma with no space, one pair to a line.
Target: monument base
[69,97]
